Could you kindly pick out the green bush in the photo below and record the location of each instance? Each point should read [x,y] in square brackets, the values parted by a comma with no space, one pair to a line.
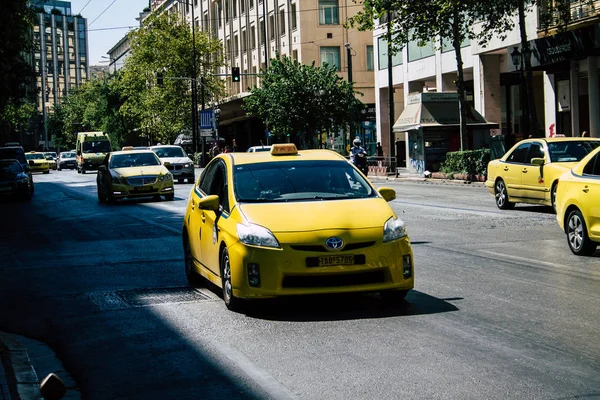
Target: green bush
[198,158]
[470,162]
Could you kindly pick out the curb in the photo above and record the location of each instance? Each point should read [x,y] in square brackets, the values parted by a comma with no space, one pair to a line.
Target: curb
[23,382]
[431,181]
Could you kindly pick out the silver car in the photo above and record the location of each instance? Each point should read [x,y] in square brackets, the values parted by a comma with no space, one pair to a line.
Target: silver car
[180,165]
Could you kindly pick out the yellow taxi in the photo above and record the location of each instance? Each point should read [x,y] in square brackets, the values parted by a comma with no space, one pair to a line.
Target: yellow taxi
[51,157]
[529,171]
[37,162]
[578,205]
[289,222]
[133,173]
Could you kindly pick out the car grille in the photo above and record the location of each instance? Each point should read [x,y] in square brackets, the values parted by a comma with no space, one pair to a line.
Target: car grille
[318,281]
[142,180]
[317,247]
[175,167]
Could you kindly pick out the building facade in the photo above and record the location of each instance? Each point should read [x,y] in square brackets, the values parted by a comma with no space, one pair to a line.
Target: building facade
[254,31]
[60,56]
[565,79]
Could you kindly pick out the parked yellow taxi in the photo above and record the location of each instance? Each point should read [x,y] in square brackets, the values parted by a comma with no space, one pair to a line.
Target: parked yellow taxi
[37,162]
[133,173]
[289,222]
[578,205]
[529,171]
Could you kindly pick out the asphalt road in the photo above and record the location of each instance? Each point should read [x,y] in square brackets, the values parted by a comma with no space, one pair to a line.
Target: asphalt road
[501,308]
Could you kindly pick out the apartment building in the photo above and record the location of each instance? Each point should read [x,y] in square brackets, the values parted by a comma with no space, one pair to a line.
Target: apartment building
[565,85]
[254,31]
[60,55]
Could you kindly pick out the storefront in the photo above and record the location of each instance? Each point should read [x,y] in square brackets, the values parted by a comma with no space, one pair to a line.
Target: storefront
[430,125]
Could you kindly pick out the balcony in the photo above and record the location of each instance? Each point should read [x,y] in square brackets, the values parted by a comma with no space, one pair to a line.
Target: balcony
[553,15]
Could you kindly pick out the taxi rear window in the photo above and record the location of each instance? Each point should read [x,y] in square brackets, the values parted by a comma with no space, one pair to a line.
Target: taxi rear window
[299,181]
[571,151]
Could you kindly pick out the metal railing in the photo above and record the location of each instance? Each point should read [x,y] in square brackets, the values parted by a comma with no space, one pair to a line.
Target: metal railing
[579,11]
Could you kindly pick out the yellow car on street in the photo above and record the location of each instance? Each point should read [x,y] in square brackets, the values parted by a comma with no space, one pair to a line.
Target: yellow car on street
[51,157]
[135,173]
[289,222]
[578,205]
[37,162]
[529,171]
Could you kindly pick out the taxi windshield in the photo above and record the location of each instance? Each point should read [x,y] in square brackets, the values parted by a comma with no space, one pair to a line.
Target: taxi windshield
[571,151]
[133,160]
[35,156]
[166,152]
[67,155]
[96,146]
[299,181]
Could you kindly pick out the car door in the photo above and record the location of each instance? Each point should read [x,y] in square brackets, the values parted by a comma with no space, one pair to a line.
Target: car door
[590,195]
[197,217]
[211,220]
[511,170]
[532,180]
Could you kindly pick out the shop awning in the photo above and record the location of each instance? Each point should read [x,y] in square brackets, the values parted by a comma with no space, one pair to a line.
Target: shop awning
[435,109]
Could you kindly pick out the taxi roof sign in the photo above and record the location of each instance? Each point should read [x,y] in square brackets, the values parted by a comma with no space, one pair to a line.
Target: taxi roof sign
[284,149]
[127,148]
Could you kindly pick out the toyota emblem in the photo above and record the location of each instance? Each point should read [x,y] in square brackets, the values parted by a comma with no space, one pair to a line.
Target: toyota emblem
[334,243]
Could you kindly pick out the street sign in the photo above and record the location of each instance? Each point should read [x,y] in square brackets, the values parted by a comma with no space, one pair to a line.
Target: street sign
[206,119]
[206,132]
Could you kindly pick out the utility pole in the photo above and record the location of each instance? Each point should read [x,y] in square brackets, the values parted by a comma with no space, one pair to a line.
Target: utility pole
[349,55]
[194,86]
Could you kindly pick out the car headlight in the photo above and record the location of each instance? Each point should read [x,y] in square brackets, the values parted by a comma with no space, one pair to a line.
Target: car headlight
[256,235]
[393,229]
[166,177]
[186,165]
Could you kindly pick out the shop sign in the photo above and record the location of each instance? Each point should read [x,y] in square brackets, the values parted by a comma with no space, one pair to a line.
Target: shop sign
[579,43]
[368,113]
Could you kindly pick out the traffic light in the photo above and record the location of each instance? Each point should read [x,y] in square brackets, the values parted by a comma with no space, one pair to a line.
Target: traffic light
[159,78]
[235,74]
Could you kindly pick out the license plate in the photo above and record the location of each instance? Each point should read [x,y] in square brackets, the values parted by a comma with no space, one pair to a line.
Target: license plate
[327,261]
[143,189]
[5,188]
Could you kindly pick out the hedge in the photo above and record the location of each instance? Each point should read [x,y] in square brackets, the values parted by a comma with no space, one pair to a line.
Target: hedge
[470,162]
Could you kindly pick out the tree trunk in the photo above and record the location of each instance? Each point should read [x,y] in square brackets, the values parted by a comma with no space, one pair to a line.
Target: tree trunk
[531,111]
[460,87]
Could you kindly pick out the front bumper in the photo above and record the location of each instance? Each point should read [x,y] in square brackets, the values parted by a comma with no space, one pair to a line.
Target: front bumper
[285,272]
[39,168]
[68,165]
[179,171]
[14,188]
[120,191]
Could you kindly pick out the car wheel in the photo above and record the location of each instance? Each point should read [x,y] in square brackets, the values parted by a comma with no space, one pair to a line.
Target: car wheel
[58,168]
[502,196]
[232,302]
[192,276]
[83,170]
[190,180]
[553,196]
[47,172]
[109,199]
[170,197]
[156,197]
[393,297]
[78,170]
[101,197]
[180,180]
[577,236]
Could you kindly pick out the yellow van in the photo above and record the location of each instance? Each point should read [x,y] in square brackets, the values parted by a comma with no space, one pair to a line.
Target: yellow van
[91,149]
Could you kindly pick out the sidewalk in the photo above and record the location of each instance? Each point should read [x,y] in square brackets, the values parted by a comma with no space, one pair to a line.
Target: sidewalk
[404,175]
[25,363]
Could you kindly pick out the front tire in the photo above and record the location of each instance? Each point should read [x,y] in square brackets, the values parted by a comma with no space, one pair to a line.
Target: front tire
[502,196]
[170,197]
[231,302]
[577,236]
[393,297]
[47,172]
[553,196]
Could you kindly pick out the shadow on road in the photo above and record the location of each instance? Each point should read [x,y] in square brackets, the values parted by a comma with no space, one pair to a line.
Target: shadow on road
[345,307]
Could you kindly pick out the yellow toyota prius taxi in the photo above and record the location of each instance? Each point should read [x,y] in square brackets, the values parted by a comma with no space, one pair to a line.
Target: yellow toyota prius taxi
[289,222]
[578,205]
[37,162]
[529,172]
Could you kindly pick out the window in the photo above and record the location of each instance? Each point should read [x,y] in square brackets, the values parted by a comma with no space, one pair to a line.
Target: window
[519,155]
[328,12]
[243,6]
[447,44]
[243,44]
[295,55]
[281,21]
[272,27]
[253,37]
[535,151]
[592,167]
[331,56]
[382,48]
[234,9]
[294,17]
[418,50]
[570,151]
[236,46]
[262,30]
[251,4]
[370,61]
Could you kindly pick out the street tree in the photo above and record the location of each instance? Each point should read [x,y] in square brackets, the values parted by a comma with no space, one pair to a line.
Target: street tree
[426,21]
[16,75]
[300,100]
[161,50]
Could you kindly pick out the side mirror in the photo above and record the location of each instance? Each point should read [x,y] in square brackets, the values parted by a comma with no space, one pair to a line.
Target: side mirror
[209,203]
[388,194]
[102,168]
[166,163]
[538,161]
[31,163]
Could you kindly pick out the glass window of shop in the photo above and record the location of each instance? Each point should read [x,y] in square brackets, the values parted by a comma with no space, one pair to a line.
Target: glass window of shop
[447,44]
[418,50]
[382,49]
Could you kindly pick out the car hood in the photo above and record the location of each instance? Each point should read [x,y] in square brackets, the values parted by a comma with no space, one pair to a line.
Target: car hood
[176,160]
[137,171]
[37,161]
[305,216]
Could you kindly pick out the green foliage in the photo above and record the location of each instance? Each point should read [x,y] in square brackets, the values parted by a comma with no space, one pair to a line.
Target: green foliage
[164,46]
[299,100]
[470,162]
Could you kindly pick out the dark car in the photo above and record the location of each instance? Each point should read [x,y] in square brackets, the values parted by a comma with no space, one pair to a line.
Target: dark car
[17,153]
[14,181]
[66,160]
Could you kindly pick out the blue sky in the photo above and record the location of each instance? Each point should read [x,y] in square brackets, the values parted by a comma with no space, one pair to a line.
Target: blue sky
[122,13]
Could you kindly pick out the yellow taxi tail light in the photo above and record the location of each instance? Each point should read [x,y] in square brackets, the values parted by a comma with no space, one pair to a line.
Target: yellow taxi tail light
[282,149]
